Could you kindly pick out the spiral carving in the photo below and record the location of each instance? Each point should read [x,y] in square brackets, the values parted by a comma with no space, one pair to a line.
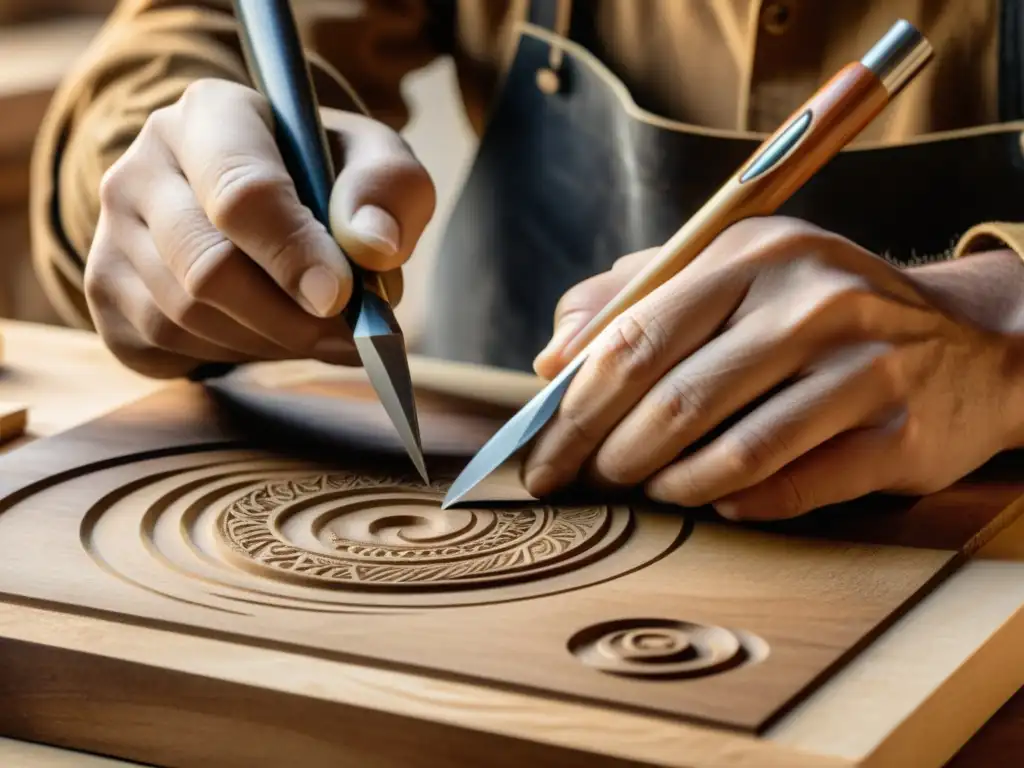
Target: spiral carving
[243,533]
[390,533]
[663,648]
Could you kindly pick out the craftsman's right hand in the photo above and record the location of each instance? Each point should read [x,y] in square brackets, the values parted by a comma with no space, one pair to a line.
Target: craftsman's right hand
[203,252]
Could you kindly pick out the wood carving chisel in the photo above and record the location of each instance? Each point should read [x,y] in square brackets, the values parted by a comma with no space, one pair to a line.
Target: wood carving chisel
[280,71]
[782,164]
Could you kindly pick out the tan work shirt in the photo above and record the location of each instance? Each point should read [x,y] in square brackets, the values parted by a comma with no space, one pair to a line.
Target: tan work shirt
[740,65]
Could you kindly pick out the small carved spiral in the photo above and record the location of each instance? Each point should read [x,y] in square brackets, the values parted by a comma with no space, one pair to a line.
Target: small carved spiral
[659,648]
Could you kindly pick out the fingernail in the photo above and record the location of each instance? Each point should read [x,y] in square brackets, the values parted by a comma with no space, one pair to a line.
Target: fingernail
[541,480]
[563,333]
[320,289]
[332,348]
[377,228]
[730,510]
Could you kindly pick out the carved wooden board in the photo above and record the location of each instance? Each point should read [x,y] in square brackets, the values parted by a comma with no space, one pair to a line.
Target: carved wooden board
[173,513]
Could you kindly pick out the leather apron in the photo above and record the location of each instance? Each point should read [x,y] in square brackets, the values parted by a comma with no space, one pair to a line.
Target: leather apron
[568,179]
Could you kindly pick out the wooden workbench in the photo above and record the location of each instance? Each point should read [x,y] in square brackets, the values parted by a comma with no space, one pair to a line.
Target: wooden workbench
[67,378]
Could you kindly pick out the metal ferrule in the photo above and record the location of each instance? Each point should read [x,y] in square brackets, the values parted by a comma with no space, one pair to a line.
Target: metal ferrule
[898,56]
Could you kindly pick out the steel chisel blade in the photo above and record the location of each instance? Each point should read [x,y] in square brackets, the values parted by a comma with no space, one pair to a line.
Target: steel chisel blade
[381,348]
[515,434]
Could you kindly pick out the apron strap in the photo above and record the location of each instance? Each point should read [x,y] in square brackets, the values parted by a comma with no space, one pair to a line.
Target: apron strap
[554,16]
[1011,64]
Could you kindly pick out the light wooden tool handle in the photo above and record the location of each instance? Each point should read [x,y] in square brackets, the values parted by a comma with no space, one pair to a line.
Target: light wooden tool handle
[811,137]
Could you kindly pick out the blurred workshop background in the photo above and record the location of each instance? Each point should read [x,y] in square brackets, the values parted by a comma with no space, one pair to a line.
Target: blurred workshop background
[40,40]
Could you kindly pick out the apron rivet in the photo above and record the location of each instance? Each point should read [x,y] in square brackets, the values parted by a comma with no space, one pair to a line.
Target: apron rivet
[548,81]
[776,18]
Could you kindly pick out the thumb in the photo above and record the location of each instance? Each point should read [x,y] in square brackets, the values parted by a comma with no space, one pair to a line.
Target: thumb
[383,197]
[580,304]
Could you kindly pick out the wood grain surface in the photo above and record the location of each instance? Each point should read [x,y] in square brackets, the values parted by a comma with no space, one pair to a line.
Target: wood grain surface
[313,536]
[135,684]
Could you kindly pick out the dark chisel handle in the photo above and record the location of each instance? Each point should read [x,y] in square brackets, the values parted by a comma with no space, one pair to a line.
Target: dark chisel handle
[279,69]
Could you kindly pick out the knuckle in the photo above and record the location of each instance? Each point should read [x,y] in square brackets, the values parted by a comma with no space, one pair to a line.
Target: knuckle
[575,418]
[791,499]
[282,261]
[381,158]
[886,374]
[575,305]
[906,438]
[609,469]
[773,239]
[95,283]
[160,124]
[749,450]
[403,170]
[679,402]
[112,183]
[196,91]
[185,312]
[199,94]
[834,311]
[159,120]
[207,267]
[155,328]
[680,486]
[632,262]
[118,176]
[244,186]
[633,348]
[850,302]
[910,438]
[377,176]
[99,283]
[422,187]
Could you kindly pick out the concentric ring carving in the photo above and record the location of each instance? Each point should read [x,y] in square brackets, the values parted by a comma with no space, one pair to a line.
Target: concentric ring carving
[664,648]
[239,532]
[387,532]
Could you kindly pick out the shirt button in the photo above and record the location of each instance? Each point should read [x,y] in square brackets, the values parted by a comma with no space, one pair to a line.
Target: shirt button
[776,17]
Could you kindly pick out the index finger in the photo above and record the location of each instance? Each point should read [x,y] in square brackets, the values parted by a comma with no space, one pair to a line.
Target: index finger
[223,142]
[637,349]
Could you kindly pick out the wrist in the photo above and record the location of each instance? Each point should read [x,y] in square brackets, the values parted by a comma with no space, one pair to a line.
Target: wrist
[986,291]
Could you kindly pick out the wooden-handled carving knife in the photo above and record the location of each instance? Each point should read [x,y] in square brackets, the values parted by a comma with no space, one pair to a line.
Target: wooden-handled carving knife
[811,137]
[278,67]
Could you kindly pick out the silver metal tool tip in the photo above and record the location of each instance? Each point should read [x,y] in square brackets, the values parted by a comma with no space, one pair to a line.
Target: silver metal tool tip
[898,56]
[515,433]
[381,348]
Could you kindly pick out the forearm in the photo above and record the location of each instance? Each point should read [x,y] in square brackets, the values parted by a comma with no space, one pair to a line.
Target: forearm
[144,57]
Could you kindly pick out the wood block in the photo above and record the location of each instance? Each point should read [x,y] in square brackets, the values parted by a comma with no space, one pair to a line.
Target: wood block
[266,558]
[13,420]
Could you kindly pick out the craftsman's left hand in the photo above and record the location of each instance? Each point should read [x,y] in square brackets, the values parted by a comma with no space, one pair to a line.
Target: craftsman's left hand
[833,373]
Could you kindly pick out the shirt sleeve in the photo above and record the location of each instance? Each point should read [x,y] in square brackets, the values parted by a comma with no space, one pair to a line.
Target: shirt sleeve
[143,58]
[994,235]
